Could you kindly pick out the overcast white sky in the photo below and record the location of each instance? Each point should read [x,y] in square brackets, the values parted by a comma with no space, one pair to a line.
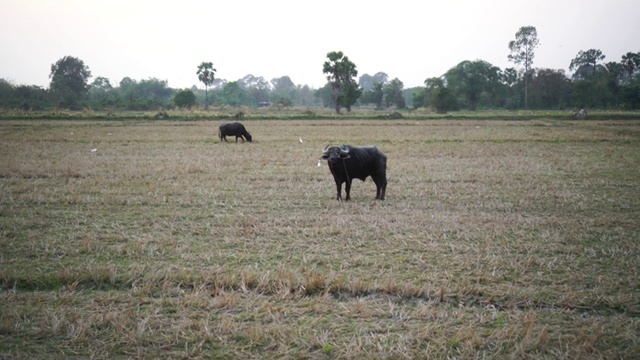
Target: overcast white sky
[410,40]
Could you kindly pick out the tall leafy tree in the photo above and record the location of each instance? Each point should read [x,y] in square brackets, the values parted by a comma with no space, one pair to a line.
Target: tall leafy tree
[305,96]
[283,91]
[523,51]
[69,81]
[617,73]
[439,96]
[511,94]
[470,79]
[393,94]
[101,83]
[126,90]
[155,91]
[283,85]
[100,90]
[341,73]
[586,63]
[324,95]
[206,75]
[257,87]
[594,85]
[127,82]
[375,95]
[351,93]
[418,97]
[234,94]
[367,82]
[550,89]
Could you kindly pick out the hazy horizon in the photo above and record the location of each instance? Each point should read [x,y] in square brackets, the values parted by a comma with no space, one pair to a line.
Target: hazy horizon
[159,39]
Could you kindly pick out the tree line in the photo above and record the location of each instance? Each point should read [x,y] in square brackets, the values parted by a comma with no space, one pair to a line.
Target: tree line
[468,85]
[479,84]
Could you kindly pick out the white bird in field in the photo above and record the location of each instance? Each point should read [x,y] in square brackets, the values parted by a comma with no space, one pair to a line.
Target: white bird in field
[300,139]
[94,150]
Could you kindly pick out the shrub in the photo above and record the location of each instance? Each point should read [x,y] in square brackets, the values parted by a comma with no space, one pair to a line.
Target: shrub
[184,98]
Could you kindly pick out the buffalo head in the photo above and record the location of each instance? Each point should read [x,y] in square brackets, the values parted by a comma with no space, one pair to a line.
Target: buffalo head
[334,153]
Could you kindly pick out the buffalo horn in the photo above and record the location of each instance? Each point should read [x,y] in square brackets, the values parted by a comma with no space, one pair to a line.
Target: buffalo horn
[344,149]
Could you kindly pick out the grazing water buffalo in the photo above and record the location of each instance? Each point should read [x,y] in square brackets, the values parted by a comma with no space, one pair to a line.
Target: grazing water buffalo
[233,129]
[348,162]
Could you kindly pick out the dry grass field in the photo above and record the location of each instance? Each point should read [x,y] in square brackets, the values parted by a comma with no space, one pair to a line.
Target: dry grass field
[151,239]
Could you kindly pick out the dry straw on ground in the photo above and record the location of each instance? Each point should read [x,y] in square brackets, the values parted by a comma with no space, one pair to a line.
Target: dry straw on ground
[498,239]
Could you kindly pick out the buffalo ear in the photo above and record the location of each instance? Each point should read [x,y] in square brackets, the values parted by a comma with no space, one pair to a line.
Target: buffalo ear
[345,155]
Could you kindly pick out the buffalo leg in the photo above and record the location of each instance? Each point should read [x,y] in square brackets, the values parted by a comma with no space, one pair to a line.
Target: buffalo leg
[380,192]
[339,190]
[347,188]
[381,188]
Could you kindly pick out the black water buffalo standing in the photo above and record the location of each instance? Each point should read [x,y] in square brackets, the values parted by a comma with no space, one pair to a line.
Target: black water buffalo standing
[348,162]
[233,129]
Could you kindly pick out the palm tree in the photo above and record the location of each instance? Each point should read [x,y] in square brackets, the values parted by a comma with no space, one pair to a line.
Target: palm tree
[206,74]
[631,62]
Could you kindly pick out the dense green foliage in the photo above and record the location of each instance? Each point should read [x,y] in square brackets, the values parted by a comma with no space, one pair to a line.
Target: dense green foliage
[393,94]
[69,77]
[341,73]
[440,96]
[469,85]
[478,84]
[470,80]
[375,95]
[185,98]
